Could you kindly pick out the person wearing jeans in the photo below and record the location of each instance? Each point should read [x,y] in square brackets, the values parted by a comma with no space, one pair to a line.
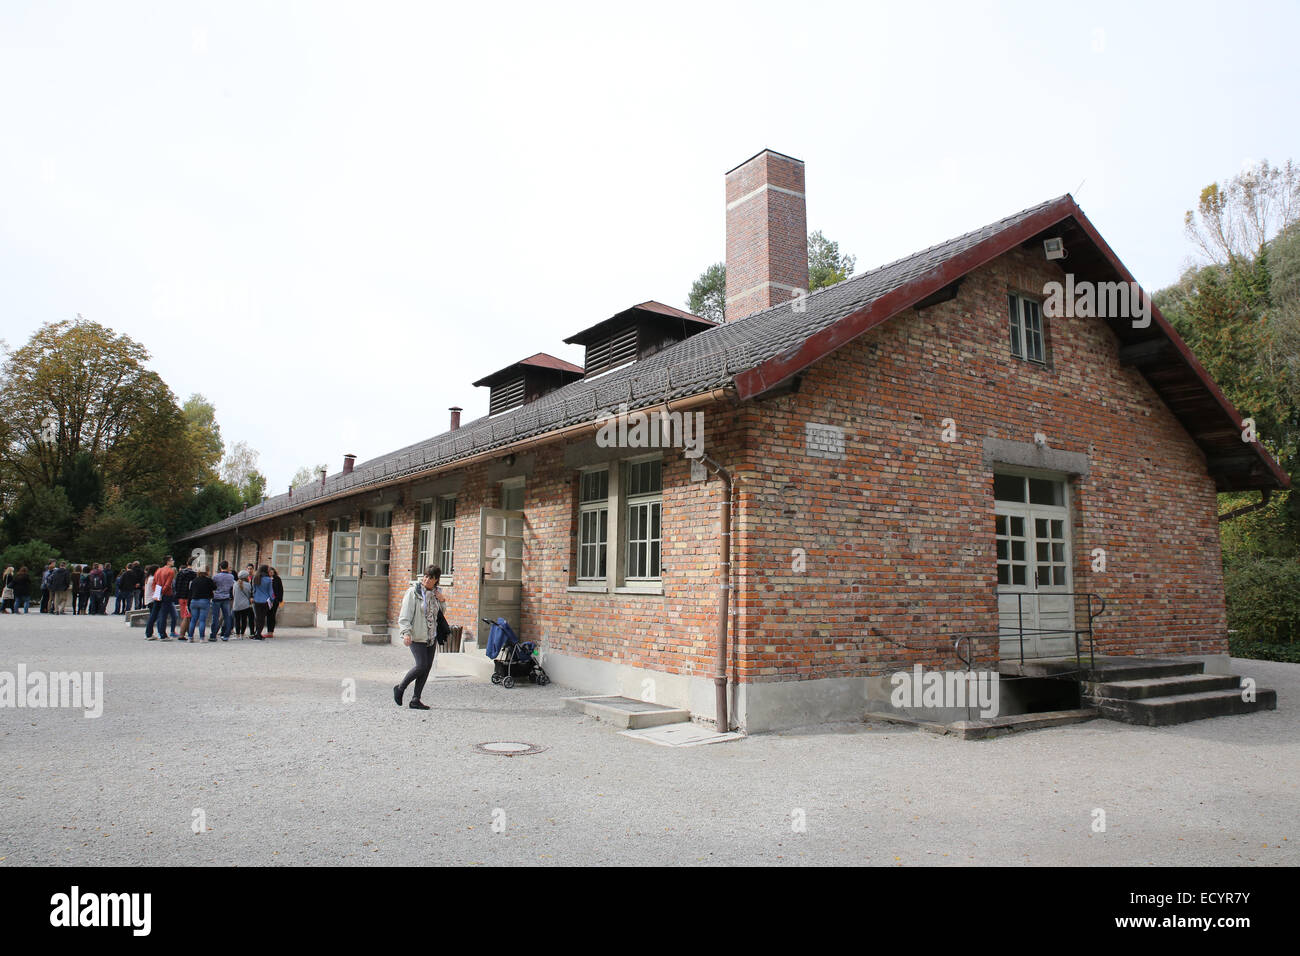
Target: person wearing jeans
[223,589]
[418,624]
[164,609]
[200,603]
[263,601]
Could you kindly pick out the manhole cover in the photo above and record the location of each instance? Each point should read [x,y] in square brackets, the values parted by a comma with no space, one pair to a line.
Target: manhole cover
[508,748]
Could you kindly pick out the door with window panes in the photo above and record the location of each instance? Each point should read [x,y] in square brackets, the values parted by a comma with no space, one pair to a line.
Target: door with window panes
[501,566]
[345,574]
[376,550]
[1032,530]
[292,561]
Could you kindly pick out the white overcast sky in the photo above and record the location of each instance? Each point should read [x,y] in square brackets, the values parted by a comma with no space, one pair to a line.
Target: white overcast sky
[331,218]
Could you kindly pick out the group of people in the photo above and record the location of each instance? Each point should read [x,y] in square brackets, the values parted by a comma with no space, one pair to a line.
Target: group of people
[189,599]
[81,588]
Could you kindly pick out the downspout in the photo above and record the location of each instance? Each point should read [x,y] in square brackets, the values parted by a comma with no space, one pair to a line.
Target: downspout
[724,591]
[1247,509]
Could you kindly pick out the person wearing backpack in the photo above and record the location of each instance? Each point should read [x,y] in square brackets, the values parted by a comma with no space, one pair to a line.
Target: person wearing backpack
[60,584]
[98,592]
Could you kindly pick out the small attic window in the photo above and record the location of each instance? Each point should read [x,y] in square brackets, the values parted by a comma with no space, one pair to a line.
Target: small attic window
[611,351]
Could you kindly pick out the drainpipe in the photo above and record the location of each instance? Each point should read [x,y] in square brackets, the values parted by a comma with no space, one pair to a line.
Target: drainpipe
[1247,509]
[724,589]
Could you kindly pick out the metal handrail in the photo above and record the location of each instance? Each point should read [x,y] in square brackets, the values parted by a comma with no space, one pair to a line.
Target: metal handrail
[1076,632]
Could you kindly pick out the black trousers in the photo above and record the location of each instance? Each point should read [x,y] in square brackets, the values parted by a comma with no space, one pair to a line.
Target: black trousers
[423,654]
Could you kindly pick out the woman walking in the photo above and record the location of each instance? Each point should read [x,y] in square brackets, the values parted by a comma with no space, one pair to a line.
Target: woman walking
[7,591]
[263,601]
[418,624]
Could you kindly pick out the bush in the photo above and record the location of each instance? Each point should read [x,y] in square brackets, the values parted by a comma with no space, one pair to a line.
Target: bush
[1287,653]
[1264,600]
[33,555]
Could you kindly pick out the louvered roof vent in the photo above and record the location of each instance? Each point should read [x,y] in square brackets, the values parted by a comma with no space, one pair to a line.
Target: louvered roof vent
[634,334]
[527,380]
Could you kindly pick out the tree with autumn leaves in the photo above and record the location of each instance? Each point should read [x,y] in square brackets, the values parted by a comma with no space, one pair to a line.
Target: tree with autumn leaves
[1239,310]
[98,460]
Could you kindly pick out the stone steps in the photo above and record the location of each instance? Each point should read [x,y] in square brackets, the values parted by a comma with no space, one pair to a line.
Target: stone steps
[1164,686]
[1152,692]
[1181,708]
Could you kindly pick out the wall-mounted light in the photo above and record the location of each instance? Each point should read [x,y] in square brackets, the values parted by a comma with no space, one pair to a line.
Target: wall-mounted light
[1054,248]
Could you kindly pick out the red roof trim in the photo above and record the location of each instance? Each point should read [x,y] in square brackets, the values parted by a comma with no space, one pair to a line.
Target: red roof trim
[767,375]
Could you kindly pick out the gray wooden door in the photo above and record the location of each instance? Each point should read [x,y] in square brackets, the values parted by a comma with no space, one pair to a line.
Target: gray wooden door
[345,574]
[501,566]
[292,561]
[1034,578]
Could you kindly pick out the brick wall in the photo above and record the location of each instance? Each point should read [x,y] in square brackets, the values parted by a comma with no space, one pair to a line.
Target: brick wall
[899,534]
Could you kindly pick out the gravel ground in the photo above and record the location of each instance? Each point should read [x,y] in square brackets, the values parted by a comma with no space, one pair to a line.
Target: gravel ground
[258,737]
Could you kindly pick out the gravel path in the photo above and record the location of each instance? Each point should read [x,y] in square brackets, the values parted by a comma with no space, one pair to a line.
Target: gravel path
[258,737]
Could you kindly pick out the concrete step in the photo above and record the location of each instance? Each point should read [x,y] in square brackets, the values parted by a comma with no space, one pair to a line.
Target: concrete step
[352,635]
[1181,708]
[992,727]
[1106,669]
[1163,686]
[627,712]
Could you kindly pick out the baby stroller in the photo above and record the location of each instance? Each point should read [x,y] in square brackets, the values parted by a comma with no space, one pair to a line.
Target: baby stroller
[512,658]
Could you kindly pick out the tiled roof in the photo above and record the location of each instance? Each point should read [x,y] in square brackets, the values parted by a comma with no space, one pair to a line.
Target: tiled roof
[699,364]
[709,360]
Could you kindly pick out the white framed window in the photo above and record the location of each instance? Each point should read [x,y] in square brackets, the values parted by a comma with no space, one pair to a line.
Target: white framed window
[447,538]
[1026,319]
[593,525]
[424,538]
[436,537]
[642,519]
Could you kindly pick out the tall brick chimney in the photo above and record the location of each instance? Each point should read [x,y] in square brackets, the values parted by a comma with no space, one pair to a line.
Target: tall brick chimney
[348,462]
[767,233]
[455,417]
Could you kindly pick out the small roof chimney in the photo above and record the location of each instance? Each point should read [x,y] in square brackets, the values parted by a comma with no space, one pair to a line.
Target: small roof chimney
[767,233]
[455,417]
[348,462]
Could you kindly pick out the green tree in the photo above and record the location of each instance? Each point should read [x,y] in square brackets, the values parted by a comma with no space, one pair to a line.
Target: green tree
[32,555]
[708,296]
[77,387]
[239,468]
[83,483]
[122,533]
[204,435]
[305,476]
[1240,313]
[826,266]
[45,514]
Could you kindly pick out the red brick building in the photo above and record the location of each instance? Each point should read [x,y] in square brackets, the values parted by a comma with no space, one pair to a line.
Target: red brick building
[929,451]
